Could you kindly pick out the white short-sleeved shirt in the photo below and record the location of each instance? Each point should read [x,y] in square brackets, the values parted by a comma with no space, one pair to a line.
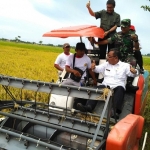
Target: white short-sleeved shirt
[82,63]
[114,75]
[61,59]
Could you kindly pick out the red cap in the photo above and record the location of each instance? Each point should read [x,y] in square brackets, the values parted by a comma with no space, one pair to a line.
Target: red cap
[132,27]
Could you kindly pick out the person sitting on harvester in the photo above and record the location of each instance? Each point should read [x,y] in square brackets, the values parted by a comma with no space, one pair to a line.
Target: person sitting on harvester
[115,75]
[137,52]
[76,65]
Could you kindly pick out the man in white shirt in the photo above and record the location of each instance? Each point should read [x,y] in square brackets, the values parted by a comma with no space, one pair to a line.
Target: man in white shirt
[115,75]
[80,61]
[61,58]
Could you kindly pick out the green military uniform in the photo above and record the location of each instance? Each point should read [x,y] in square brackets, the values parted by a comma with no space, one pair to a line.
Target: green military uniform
[108,20]
[124,43]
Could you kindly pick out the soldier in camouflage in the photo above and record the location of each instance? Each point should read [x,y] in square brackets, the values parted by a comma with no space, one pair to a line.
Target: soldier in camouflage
[123,41]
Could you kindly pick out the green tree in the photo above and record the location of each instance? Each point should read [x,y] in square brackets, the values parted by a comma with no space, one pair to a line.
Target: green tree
[146,8]
[40,42]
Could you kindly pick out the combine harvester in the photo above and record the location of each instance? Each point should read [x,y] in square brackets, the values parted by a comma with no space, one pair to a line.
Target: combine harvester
[57,125]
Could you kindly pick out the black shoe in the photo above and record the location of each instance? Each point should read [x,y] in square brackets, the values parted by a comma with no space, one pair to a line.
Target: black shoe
[131,88]
[115,115]
[89,108]
[81,107]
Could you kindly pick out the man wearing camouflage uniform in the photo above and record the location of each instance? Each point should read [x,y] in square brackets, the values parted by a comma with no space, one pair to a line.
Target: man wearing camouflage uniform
[123,41]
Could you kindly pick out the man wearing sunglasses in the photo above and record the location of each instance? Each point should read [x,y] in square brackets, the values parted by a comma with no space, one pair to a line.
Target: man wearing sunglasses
[115,74]
[61,58]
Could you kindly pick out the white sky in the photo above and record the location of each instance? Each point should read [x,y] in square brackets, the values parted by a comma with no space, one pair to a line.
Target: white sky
[30,19]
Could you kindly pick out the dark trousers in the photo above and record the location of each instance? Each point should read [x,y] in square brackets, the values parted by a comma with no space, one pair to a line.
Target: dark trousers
[118,98]
[119,92]
[103,48]
[138,57]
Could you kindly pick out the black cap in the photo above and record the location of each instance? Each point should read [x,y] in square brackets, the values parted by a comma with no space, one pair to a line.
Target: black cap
[80,46]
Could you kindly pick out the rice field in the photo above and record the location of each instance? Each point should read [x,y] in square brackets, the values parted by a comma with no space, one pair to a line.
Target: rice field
[36,62]
[32,61]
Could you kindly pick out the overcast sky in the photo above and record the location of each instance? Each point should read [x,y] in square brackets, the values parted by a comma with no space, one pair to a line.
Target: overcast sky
[30,19]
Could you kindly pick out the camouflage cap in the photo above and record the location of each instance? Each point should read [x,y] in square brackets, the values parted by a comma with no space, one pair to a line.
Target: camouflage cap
[125,23]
